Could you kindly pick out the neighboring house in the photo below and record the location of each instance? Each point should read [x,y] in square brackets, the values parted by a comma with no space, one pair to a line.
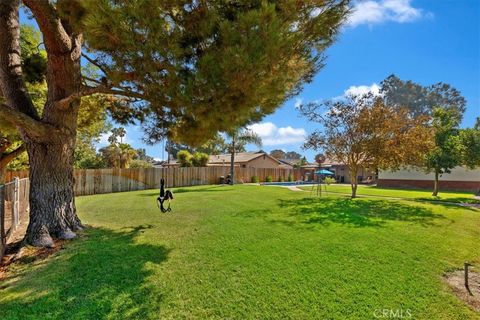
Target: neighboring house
[308,171]
[342,173]
[242,159]
[248,159]
[165,164]
[159,164]
[288,163]
[461,179]
[171,163]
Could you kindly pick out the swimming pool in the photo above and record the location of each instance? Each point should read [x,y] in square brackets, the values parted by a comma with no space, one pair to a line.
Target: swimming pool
[289,183]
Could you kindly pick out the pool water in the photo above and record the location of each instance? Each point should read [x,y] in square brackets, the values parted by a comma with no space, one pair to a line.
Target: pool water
[289,183]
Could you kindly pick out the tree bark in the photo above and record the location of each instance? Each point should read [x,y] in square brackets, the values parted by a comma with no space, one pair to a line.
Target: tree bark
[354,182]
[436,184]
[52,199]
[49,140]
[3,171]
[5,159]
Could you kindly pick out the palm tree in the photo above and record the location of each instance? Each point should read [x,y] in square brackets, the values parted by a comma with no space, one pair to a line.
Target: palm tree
[117,133]
[240,137]
[127,153]
[118,155]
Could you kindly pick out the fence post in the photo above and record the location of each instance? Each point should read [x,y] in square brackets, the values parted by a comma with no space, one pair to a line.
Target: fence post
[2,221]
[16,203]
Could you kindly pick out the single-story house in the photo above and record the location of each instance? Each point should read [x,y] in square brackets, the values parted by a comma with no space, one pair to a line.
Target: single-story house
[159,164]
[342,173]
[460,178]
[242,159]
[291,163]
[248,159]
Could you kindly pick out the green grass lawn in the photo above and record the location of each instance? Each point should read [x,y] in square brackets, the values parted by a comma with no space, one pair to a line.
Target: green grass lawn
[447,196]
[250,252]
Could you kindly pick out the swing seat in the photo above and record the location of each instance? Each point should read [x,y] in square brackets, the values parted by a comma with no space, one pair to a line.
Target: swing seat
[160,201]
[165,195]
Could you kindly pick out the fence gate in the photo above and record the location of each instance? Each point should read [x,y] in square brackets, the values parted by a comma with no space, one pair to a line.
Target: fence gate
[14,207]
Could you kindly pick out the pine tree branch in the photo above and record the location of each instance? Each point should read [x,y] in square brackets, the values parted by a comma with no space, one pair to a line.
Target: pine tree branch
[32,127]
[95,63]
[12,85]
[5,159]
[4,144]
[92,80]
[55,36]
[87,91]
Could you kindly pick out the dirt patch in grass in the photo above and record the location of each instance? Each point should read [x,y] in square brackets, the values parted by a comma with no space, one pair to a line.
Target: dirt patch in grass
[471,296]
[17,254]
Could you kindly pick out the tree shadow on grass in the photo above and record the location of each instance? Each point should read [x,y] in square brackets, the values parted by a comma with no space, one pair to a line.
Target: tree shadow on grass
[104,275]
[356,212]
[449,202]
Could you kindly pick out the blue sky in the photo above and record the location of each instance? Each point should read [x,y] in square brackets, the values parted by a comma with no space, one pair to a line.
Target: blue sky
[427,41]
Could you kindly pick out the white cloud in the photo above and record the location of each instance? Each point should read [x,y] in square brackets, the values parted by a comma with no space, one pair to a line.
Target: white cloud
[361,90]
[103,140]
[298,102]
[272,135]
[377,11]
[358,90]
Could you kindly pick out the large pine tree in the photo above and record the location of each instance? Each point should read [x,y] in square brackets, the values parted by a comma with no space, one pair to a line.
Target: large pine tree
[190,68]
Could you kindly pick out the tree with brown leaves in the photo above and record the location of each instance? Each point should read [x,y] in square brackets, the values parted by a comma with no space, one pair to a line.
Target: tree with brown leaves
[361,131]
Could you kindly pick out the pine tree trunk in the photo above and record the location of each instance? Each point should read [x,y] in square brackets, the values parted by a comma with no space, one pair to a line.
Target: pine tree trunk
[52,199]
[49,138]
[436,185]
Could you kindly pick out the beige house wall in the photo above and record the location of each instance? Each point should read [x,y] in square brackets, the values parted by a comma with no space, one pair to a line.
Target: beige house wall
[343,171]
[457,174]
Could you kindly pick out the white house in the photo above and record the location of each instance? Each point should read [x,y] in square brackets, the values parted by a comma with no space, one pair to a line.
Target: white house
[461,179]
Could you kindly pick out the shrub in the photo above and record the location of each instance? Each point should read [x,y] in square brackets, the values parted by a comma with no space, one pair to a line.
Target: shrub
[254,179]
[329,180]
[290,178]
[184,158]
[140,164]
[282,179]
[199,159]
[268,179]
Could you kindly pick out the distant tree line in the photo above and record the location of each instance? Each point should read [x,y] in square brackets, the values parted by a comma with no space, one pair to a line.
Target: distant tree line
[407,124]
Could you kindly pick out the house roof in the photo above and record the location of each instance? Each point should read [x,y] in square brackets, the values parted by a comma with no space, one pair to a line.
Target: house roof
[291,162]
[171,163]
[240,157]
[332,162]
[310,166]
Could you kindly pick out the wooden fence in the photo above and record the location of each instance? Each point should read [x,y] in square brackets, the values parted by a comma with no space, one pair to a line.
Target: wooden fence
[98,181]
[14,207]
[14,203]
